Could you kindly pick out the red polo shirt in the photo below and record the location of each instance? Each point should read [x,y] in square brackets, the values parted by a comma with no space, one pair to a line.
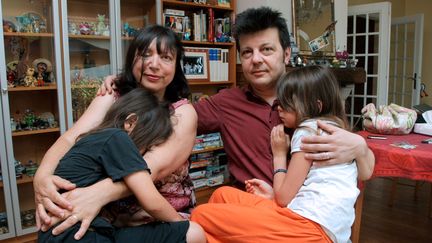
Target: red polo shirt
[245,122]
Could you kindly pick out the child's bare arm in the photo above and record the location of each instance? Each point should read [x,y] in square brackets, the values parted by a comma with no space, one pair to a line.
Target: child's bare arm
[141,184]
[286,186]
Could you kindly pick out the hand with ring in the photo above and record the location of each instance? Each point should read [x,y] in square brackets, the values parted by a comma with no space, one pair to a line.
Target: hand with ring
[86,206]
[340,146]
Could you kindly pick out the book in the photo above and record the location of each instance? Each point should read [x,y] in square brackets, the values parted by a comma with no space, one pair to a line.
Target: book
[176,12]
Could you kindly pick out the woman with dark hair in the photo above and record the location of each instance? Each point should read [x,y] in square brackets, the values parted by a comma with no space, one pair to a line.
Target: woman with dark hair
[153,61]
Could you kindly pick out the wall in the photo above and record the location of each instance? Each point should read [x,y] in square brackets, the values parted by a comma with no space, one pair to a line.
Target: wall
[402,8]
[283,6]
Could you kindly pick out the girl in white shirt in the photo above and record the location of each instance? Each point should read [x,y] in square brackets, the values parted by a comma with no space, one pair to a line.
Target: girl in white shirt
[307,202]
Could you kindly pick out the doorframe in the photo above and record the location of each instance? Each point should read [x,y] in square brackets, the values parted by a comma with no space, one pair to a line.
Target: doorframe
[418,21]
[384,10]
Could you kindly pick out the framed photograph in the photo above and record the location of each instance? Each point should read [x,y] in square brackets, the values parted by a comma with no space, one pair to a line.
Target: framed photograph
[196,65]
[174,22]
[318,43]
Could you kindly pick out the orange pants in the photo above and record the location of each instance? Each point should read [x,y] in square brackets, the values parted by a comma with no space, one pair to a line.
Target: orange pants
[233,215]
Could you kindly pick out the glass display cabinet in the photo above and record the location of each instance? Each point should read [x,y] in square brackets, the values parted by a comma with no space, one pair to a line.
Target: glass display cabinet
[134,15]
[7,227]
[88,56]
[32,103]
[96,36]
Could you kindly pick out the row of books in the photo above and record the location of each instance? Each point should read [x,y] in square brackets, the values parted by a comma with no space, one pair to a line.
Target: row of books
[222,3]
[206,141]
[213,173]
[198,26]
[215,62]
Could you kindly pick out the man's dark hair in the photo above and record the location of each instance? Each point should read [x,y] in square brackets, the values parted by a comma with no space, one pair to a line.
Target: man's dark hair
[257,19]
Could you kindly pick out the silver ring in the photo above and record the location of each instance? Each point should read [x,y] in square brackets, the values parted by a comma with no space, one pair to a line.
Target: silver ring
[326,156]
[75,217]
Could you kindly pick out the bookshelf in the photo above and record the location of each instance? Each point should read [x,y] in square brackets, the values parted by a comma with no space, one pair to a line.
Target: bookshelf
[204,42]
[205,30]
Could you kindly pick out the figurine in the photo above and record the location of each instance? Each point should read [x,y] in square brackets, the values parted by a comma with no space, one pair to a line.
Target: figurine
[13,124]
[11,78]
[43,69]
[19,169]
[31,168]
[42,26]
[187,34]
[129,31]
[84,28]
[126,29]
[28,120]
[73,29]
[92,26]
[35,24]
[48,118]
[106,32]
[29,79]
[24,24]
[8,26]
[100,27]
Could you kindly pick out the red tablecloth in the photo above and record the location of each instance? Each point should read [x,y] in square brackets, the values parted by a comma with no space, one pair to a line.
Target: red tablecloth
[391,161]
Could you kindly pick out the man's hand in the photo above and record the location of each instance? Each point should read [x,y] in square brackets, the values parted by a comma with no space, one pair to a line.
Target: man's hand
[259,188]
[48,199]
[107,86]
[340,146]
[86,206]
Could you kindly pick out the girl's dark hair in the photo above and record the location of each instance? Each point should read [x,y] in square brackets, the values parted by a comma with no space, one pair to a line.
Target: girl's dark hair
[301,89]
[153,118]
[167,41]
[253,20]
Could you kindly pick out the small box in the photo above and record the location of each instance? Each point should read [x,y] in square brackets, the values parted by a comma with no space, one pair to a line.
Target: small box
[197,174]
[199,183]
[215,180]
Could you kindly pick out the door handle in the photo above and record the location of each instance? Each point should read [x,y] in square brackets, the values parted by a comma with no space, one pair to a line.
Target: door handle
[414,79]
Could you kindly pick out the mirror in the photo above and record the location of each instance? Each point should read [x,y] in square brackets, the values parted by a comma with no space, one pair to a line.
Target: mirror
[313,26]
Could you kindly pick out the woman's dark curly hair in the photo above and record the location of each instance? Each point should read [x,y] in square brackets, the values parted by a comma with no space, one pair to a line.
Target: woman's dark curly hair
[167,41]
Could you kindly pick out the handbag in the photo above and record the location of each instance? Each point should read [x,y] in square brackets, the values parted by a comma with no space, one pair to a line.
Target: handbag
[388,119]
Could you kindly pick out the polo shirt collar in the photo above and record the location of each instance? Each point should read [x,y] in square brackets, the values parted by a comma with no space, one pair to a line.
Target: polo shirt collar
[251,96]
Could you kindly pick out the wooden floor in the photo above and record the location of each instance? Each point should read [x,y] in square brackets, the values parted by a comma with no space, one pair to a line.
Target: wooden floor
[406,221]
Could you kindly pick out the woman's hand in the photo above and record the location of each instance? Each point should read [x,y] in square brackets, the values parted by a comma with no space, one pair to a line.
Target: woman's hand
[259,188]
[340,146]
[107,86]
[48,199]
[87,202]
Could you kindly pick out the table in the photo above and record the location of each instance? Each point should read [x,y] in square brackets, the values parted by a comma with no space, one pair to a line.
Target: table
[393,161]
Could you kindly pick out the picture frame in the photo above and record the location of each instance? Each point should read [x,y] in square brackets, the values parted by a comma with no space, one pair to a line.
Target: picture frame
[318,43]
[196,65]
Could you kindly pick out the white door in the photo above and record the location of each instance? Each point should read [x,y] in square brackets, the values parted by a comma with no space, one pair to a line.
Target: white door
[406,60]
[368,40]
